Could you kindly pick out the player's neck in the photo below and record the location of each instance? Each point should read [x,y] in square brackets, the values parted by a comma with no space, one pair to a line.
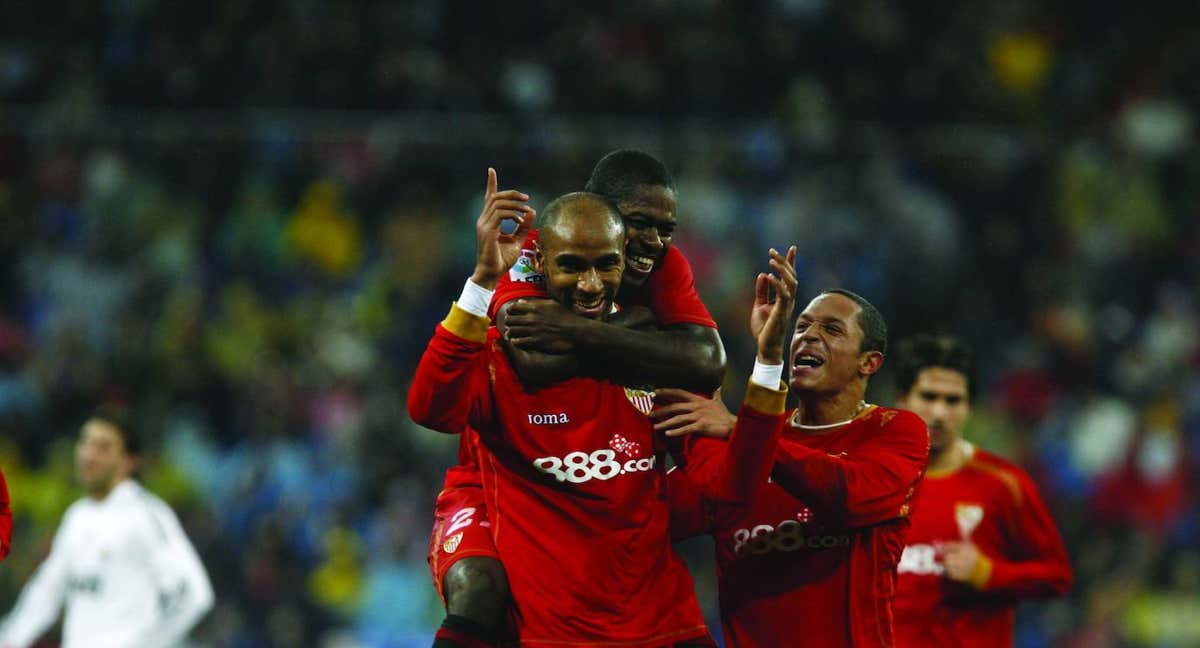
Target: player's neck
[948,459]
[101,494]
[830,410]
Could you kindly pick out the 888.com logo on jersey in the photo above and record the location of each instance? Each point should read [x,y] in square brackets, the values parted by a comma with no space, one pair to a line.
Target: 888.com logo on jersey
[578,467]
[788,535]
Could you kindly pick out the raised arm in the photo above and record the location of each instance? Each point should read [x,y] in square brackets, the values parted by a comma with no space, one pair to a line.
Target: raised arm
[447,377]
[873,485]
[721,475]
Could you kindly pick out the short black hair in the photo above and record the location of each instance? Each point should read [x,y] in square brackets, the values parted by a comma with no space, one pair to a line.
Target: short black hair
[874,328]
[553,211]
[118,417]
[619,173]
[924,351]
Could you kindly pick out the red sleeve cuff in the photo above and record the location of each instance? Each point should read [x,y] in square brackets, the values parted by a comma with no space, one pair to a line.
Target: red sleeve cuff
[511,290]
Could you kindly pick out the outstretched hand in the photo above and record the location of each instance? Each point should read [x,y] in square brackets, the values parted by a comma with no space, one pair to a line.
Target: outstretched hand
[495,251]
[774,300]
[688,413]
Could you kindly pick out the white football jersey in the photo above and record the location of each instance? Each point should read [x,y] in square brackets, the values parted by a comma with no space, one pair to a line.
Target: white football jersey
[125,571]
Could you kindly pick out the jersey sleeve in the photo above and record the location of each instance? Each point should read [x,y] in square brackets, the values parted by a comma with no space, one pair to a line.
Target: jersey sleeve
[451,378]
[43,596]
[691,514]
[521,280]
[671,293]
[1041,568]
[6,524]
[873,484]
[185,594]
[720,477]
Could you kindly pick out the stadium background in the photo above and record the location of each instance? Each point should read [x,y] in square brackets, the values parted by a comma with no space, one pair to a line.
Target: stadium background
[243,218]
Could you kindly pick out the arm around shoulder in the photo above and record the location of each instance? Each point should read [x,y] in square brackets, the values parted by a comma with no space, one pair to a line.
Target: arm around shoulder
[535,368]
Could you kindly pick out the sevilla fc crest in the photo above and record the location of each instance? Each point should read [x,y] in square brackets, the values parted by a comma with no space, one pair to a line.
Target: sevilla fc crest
[968,517]
[642,400]
[451,543]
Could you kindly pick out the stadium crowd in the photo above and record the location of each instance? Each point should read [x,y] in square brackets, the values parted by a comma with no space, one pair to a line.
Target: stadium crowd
[244,224]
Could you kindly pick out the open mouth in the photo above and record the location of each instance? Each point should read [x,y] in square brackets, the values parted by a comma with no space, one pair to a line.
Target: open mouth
[589,307]
[806,363]
[640,264]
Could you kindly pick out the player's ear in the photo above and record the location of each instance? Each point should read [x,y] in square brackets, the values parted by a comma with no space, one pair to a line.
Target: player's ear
[869,363]
[538,259]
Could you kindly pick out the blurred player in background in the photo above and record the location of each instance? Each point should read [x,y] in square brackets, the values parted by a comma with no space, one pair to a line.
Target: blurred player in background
[981,539]
[812,562]
[583,536]
[663,335]
[6,525]
[120,561]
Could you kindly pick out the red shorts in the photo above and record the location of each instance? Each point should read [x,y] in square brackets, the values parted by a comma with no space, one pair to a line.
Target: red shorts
[460,530]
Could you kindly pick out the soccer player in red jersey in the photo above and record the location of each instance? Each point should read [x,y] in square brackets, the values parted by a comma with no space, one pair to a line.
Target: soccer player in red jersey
[466,569]
[812,560]
[5,519]
[663,335]
[572,472]
[981,539]
[683,348]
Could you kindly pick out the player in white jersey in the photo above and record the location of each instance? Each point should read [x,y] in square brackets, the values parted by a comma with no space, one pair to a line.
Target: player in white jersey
[120,561]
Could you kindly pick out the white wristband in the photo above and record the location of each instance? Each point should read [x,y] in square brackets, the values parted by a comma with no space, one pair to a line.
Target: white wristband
[475,299]
[766,375]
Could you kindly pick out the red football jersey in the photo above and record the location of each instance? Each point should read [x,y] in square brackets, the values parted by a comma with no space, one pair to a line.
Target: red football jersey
[576,492]
[464,474]
[995,505]
[670,292]
[5,519]
[812,560]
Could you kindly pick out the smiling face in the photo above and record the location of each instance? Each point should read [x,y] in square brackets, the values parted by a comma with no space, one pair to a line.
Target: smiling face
[940,397]
[649,215]
[826,348]
[581,257]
